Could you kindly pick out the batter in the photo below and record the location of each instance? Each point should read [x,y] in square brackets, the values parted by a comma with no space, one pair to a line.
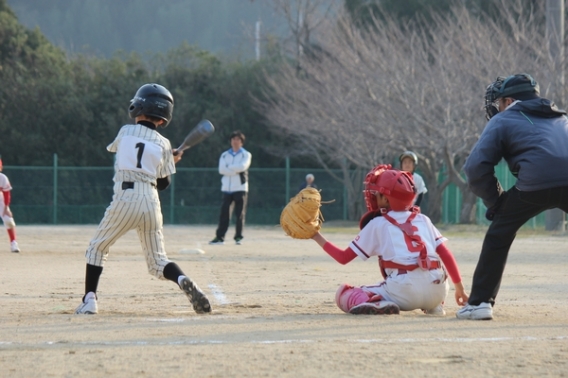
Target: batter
[143,165]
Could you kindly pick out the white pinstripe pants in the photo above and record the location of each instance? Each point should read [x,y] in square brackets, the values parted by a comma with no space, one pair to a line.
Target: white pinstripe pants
[138,208]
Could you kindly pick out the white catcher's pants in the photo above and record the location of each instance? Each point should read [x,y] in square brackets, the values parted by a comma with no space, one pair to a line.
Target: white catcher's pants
[418,289]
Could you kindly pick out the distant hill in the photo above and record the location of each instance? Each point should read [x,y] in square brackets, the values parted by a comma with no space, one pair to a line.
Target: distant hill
[102,27]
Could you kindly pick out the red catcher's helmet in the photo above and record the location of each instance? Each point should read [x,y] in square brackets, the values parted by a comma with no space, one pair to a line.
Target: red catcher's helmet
[397,186]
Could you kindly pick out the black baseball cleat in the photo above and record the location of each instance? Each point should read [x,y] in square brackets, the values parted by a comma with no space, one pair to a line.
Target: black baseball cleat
[196,297]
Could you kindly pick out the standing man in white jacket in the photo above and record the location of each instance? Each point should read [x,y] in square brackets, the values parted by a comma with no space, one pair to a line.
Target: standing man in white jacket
[233,165]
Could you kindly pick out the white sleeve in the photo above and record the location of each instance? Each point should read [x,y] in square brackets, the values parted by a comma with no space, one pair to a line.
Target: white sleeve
[439,239]
[113,147]
[364,244]
[4,183]
[168,166]
[419,182]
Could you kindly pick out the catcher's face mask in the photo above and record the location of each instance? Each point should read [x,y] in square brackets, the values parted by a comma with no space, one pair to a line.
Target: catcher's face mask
[492,94]
[371,188]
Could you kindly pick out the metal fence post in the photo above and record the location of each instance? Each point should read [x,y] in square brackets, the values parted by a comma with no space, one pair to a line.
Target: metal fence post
[287,180]
[172,198]
[55,188]
[345,198]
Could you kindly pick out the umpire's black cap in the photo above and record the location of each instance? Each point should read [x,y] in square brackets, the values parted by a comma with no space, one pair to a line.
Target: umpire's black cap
[520,87]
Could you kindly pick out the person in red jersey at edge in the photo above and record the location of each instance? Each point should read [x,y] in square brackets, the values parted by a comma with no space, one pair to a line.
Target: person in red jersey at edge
[7,217]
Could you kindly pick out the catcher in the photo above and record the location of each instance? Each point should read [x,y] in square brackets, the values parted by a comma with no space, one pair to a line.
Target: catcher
[411,252]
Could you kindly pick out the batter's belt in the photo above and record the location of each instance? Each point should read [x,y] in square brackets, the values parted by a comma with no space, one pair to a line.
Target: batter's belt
[130,185]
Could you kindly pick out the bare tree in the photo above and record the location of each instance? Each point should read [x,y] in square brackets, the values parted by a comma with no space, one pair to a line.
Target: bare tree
[303,18]
[369,94]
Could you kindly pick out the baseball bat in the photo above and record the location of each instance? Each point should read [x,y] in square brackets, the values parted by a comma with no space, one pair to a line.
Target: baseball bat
[197,135]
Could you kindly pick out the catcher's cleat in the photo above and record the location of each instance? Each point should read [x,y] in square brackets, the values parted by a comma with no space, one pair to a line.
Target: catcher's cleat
[438,311]
[88,306]
[375,308]
[14,247]
[217,241]
[483,311]
[198,300]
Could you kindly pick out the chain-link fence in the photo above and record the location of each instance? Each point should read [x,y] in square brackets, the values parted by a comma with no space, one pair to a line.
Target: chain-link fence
[80,195]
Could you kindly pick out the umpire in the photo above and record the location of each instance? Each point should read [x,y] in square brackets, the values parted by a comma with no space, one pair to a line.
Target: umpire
[531,134]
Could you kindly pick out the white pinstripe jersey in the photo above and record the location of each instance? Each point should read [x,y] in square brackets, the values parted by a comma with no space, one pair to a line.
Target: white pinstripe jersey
[142,155]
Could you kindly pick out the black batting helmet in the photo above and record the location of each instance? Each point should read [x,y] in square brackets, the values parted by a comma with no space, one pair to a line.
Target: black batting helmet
[152,100]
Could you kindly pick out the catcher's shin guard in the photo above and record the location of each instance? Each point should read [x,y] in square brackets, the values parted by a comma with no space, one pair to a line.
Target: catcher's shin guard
[348,297]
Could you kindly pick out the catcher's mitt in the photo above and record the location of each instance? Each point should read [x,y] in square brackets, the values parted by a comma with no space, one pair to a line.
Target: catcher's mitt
[302,218]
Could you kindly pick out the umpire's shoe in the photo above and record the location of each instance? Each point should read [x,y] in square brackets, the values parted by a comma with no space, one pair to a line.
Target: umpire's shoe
[482,311]
[89,305]
[198,300]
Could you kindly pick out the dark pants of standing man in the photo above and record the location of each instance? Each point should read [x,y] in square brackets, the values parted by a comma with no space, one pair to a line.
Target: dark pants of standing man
[240,200]
[515,210]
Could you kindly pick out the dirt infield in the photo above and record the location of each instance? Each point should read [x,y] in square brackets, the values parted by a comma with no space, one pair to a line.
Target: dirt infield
[273,311]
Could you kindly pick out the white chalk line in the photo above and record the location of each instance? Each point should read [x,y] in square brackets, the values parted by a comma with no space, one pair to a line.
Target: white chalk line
[290,341]
[218,294]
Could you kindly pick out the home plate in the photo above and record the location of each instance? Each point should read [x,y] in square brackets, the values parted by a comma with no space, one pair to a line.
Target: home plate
[193,251]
